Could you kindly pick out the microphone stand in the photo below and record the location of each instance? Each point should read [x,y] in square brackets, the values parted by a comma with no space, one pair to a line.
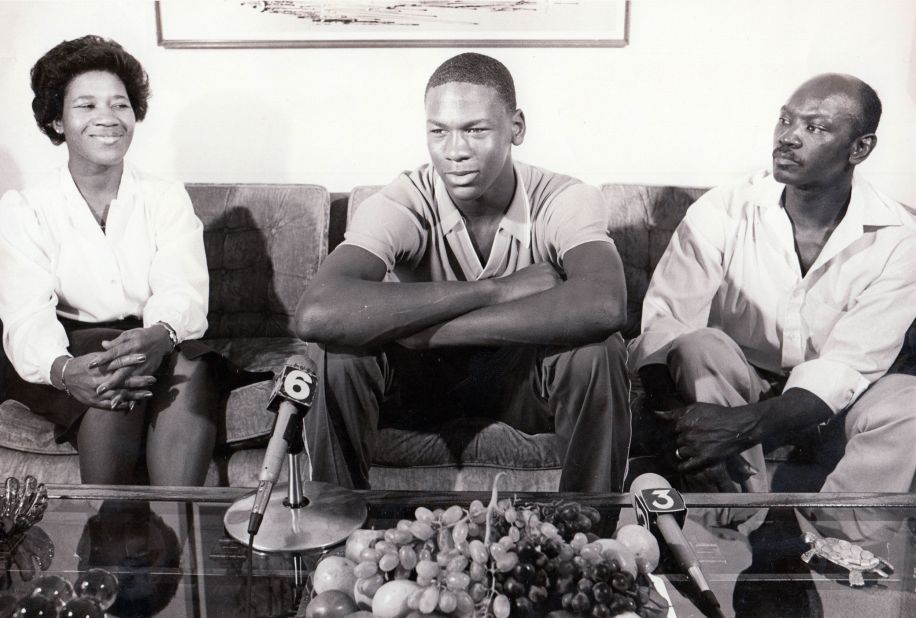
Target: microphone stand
[300,515]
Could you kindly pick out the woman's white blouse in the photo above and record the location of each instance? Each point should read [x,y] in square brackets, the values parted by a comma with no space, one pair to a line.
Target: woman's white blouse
[149,262]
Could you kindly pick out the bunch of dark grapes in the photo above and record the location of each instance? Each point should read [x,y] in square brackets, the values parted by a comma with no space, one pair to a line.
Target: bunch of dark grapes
[599,588]
[570,518]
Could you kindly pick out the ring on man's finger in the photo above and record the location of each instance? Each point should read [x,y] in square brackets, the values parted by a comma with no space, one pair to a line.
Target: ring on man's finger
[677,454]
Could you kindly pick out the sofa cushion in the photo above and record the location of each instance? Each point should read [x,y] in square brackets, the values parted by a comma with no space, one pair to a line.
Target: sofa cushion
[467,441]
[247,417]
[62,469]
[244,466]
[264,243]
[23,431]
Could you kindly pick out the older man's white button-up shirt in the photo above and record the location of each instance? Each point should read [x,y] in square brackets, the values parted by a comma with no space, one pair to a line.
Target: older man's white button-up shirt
[732,265]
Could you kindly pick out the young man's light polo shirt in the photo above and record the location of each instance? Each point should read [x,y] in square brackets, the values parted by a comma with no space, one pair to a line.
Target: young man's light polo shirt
[415,229]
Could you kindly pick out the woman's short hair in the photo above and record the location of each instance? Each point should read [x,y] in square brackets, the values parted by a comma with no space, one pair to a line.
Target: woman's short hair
[56,69]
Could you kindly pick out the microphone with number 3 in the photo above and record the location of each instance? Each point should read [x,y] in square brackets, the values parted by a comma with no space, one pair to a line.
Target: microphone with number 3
[659,506]
[291,398]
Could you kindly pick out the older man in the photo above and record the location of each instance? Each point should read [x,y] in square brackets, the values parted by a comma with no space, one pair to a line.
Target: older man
[476,284]
[781,303]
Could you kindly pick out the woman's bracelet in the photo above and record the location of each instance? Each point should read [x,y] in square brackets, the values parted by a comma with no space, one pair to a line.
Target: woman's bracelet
[63,376]
[173,335]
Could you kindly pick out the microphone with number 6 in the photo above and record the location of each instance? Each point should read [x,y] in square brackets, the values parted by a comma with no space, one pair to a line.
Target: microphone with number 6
[291,399]
[660,507]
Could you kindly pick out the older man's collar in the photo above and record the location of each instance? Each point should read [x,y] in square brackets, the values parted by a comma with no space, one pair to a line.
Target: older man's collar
[867,206]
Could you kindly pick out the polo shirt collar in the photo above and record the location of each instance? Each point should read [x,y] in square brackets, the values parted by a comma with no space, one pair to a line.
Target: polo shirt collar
[516,221]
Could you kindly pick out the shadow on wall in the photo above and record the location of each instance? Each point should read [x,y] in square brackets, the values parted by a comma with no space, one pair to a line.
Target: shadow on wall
[231,136]
[11,177]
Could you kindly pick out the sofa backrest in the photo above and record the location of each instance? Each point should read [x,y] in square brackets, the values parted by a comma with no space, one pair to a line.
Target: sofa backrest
[264,243]
[641,220]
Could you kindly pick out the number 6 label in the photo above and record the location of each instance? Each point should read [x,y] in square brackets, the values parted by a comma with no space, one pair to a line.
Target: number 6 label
[297,385]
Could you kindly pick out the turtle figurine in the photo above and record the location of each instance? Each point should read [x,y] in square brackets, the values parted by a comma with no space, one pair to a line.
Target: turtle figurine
[846,555]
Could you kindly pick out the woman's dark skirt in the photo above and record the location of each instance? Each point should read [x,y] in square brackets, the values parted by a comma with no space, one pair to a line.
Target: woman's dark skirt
[66,412]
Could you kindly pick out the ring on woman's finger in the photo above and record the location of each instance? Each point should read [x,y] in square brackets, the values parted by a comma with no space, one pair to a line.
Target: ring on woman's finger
[130,406]
[677,454]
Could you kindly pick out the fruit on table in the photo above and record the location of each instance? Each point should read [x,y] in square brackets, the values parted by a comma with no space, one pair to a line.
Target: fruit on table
[643,545]
[334,573]
[330,604]
[390,600]
[617,553]
[509,558]
[360,540]
[363,600]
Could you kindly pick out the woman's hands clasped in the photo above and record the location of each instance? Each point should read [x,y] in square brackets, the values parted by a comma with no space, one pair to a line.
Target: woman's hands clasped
[122,374]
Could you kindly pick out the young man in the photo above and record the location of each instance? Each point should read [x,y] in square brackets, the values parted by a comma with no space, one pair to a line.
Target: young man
[473,286]
[780,304]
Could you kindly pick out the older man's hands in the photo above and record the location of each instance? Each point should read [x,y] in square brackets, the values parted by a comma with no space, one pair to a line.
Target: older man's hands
[709,434]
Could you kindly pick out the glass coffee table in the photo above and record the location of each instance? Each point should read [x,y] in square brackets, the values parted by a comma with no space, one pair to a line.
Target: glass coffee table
[172,557]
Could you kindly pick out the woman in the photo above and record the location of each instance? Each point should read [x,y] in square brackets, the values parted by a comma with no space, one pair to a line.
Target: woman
[104,281]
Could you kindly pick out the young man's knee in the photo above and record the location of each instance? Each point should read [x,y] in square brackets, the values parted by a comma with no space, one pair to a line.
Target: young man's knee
[607,355]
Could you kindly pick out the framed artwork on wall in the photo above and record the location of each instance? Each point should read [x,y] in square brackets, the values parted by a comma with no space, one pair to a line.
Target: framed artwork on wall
[392,23]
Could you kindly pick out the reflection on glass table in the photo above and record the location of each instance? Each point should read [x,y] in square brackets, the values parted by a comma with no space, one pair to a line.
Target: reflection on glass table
[170,555]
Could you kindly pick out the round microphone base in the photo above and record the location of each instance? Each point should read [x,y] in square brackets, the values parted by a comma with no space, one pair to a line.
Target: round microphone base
[328,515]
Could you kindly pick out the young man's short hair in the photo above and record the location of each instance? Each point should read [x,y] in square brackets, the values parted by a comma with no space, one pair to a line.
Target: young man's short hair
[477,69]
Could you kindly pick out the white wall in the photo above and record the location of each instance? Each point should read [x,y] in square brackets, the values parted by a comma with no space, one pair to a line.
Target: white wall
[692,100]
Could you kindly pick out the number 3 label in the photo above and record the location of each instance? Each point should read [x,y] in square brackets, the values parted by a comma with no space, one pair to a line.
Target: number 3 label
[662,500]
[298,385]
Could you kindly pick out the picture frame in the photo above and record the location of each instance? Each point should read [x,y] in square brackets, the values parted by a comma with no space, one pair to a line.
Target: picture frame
[390,23]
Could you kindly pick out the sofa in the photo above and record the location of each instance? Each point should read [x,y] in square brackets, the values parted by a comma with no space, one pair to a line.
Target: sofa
[264,243]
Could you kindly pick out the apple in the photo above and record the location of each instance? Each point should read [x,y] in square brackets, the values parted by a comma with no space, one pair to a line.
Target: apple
[334,573]
[617,553]
[360,540]
[643,545]
[330,604]
[390,601]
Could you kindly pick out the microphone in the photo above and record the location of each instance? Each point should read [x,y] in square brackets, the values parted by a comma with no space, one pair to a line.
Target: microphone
[660,506]
[291,399]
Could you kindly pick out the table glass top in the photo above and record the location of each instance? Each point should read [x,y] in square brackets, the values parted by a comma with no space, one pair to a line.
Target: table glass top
[172,556]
